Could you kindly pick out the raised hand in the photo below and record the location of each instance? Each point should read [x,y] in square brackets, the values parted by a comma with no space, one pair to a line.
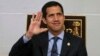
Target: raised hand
[34,27]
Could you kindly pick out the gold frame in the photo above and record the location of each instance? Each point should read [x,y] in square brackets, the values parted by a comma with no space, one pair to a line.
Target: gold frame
[79,22]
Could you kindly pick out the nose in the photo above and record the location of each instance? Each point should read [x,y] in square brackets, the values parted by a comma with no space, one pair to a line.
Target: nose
[55,17]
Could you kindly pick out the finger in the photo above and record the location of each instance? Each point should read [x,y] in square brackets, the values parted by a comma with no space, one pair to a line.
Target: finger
[40,18]
[33,16]
[32,19]
[37,16]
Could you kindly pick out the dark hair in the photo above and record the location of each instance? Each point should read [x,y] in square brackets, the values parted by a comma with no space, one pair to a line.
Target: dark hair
[50,4]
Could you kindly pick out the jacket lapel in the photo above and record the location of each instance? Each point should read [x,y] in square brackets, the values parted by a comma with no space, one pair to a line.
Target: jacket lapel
[66,44]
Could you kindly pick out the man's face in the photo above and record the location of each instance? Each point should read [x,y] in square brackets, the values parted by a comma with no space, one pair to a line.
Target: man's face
[54,18]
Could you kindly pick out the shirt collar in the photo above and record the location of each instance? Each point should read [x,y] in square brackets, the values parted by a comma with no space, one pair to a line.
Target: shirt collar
[61,35]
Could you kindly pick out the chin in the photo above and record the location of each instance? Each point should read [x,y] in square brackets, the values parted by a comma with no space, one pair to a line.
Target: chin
[56,30]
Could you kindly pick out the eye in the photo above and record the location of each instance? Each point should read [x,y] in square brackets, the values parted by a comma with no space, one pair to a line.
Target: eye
[59,14]
[51,15]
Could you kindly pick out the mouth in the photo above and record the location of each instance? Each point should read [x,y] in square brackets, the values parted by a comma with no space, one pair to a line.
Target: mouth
[56,23]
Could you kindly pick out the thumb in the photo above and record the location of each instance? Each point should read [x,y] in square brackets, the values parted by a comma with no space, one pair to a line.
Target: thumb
[43,29]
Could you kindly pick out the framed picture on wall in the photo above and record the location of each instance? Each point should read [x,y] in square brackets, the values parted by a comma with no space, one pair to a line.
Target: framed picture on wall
[73,24]
[76,25]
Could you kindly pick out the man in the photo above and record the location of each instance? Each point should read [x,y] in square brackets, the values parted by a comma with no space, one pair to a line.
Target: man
[53,41]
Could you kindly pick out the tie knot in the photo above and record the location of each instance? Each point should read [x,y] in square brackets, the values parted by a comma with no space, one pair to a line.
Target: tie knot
[55,39]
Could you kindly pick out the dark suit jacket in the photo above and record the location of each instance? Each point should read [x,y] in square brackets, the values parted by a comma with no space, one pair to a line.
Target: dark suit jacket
[38,46]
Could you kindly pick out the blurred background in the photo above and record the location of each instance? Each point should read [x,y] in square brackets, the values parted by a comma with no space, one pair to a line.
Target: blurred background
[13,20]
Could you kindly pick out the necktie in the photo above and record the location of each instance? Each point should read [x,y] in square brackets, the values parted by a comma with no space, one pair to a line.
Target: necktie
[54,51]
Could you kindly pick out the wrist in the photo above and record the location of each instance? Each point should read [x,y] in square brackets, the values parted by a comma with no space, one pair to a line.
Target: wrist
[29,35]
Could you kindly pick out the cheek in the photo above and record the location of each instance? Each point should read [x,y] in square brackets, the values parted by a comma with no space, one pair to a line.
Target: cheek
[62,19]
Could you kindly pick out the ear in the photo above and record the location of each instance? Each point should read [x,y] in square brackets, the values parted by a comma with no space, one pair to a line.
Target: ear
[44,21]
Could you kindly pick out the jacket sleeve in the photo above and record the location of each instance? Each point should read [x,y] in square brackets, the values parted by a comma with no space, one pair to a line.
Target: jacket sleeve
[21,49]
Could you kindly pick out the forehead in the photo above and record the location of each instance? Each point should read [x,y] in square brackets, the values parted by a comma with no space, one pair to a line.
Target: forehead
[53,9]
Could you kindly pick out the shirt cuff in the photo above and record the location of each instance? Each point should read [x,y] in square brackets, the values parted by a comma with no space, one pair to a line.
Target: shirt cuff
[25,39]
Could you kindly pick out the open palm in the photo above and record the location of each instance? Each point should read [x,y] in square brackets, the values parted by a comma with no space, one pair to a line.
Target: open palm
[34,27]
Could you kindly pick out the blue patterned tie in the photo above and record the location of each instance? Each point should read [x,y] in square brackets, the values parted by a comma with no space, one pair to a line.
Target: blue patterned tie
[54,51]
